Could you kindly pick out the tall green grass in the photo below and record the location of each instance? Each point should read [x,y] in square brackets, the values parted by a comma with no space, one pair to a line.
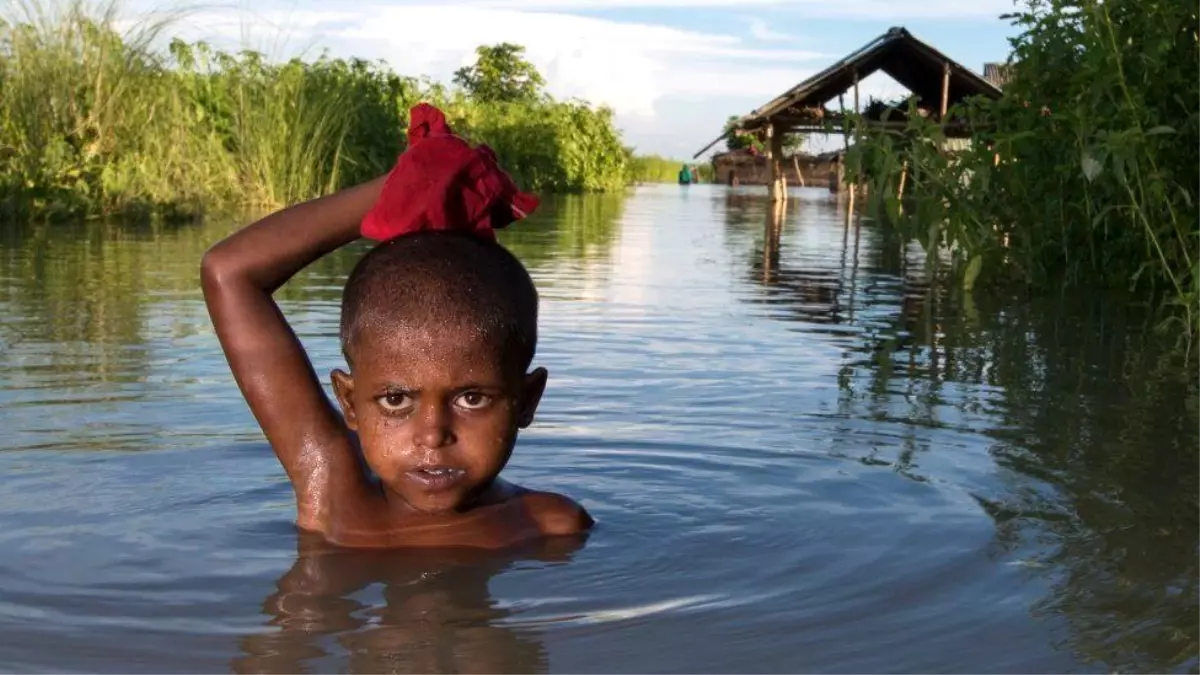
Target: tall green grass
[656,169]
[296,129]
[89,119]
[95,121]
[1098,136]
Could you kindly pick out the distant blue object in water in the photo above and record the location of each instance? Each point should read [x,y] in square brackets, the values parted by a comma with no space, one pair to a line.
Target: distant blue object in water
[685,175]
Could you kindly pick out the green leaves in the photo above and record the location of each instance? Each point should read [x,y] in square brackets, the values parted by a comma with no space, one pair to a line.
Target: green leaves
[103,124]
[1098,138]
[501,75]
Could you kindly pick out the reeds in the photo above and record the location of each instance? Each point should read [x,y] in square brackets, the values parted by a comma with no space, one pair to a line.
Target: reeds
[88,120]
[94,121]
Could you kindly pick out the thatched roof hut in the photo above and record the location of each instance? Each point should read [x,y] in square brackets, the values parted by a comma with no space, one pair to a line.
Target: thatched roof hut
[936,80]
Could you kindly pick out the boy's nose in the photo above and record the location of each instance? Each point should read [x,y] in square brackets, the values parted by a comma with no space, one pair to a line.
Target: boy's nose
[433,428]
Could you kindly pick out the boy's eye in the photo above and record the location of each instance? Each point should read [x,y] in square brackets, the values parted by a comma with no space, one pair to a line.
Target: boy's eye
[473,400]
[395,401]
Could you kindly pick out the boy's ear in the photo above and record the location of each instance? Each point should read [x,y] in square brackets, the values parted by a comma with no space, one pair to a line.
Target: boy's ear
[531,395]
[343,387]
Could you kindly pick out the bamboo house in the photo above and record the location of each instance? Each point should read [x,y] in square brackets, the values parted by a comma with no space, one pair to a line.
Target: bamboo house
[935,80]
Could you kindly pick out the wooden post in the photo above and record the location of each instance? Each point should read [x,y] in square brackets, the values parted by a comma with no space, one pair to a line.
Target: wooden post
[771,161]
[854,185]
[771,236]
[799,173]
[856,90]
[900,191]
[845,136]
[841,168]
[945,91]
[775,158]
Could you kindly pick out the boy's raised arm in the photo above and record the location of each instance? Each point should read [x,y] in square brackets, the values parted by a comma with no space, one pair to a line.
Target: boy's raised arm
[238,276]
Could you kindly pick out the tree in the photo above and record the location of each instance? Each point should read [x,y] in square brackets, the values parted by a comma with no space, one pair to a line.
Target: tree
[500,73]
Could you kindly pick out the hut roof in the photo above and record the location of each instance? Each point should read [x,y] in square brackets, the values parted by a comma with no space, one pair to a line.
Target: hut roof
[914,64]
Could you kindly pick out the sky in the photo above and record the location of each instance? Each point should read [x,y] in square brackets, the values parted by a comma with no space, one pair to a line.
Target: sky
[672,70]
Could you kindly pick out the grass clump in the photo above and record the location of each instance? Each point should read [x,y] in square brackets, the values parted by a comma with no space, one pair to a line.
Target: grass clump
[96,121]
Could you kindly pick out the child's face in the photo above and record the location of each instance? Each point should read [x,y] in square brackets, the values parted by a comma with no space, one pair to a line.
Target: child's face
[436,412]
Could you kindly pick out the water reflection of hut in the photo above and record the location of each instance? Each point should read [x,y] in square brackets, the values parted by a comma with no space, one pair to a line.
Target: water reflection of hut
[935,80]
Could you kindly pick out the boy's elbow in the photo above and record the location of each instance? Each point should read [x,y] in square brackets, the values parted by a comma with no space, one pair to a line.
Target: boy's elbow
[216,270]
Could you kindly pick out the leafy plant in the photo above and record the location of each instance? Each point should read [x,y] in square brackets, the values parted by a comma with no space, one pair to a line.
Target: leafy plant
[1085,171]
[93,121]
[501,74]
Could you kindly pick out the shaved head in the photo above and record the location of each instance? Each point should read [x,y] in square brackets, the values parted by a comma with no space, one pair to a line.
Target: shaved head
[447,283]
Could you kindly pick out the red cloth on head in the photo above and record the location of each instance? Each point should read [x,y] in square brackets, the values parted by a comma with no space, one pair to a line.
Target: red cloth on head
[441,183]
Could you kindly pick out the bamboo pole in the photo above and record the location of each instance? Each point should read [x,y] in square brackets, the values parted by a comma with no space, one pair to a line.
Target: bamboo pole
[799,174]
[771,161]
[856,91]
[854,185]
[771,237]
[945,91]
[841,169]
[775,157]
[900,191]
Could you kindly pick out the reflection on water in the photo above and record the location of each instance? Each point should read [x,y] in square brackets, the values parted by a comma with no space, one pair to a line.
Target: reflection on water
[1096,433]
[790,439]
[431,613]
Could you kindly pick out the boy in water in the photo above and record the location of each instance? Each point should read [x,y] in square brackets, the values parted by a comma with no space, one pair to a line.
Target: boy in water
[438,328]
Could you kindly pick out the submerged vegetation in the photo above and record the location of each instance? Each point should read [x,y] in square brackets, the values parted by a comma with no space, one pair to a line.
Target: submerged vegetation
[94,121]
[1085,171]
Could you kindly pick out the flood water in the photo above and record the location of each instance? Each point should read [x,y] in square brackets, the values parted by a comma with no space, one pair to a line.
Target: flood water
[800,457]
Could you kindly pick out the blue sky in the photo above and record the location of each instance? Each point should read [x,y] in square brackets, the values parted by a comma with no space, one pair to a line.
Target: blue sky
[673,70]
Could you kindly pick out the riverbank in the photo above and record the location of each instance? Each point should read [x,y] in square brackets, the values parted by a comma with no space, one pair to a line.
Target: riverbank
[98,122]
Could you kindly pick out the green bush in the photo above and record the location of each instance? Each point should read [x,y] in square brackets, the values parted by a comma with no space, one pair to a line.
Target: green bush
[1099,158]
[94,122]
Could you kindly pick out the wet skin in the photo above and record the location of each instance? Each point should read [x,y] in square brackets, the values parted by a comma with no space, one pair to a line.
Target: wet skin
[436,415]
[431,410]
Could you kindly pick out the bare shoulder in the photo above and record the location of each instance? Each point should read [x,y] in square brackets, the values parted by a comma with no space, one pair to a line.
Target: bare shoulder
[556,514]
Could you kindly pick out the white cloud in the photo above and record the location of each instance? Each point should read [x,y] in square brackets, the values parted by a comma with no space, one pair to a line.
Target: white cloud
[671,88]
[869,9]
[585,5]
[760,30]
[627,66]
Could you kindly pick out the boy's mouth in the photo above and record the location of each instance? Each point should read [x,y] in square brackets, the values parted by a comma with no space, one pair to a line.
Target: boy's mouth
[436,478]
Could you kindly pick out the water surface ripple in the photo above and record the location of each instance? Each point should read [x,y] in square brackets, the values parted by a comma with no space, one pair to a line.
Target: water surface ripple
[801,458]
